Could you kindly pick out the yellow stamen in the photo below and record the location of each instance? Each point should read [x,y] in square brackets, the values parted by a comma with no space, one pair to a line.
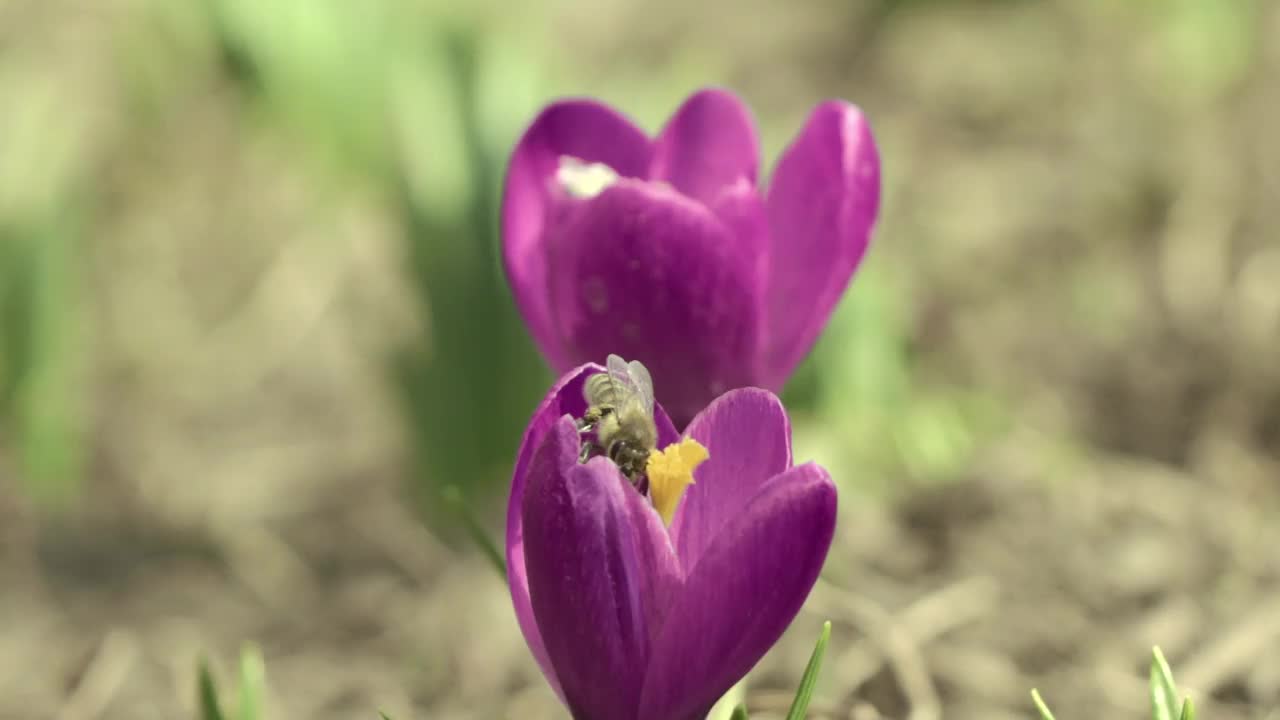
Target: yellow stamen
[670,472]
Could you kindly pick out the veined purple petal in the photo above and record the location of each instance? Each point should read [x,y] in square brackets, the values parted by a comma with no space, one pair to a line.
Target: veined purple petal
[744,592]
[707,146]
[601,575]
[583,129]
[822,202]
[565,398]
[651,275]
[749,437]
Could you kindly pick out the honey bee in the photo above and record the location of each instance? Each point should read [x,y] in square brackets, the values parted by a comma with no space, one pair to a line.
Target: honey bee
[620,412]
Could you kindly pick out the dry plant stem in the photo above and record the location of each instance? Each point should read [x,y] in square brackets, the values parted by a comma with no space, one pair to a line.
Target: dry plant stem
[900,638]
[263,561]
[406,543]
[106,672]
[1234,651]
[864,711]
[978,672]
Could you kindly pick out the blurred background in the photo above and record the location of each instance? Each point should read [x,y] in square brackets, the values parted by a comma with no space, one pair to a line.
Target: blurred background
[257,355]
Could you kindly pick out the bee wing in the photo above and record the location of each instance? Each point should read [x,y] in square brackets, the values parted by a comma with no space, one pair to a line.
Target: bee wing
[644,384]
[631,380]
[620,374]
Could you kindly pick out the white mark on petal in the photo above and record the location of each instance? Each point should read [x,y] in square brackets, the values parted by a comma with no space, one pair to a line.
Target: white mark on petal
[584,180]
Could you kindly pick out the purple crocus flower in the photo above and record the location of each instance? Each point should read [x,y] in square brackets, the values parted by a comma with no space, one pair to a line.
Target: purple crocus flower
[667,251]
[632,619]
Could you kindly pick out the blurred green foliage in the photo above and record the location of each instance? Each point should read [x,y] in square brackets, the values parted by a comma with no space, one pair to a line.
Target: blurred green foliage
[875,415]
[1206,46]
[40,378]
[43,215]
[396,98]
[418,105]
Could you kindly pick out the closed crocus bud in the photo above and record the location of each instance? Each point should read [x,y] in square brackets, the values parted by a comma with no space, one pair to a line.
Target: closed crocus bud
[649,601]
[667,251]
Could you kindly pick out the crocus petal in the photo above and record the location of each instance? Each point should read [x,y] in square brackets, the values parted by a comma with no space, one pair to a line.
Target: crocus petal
[749,438]
[651,275]
[744,592]
[565,398]
[601,575]
[708,145]
[581,129]
[742,211]
[822,203]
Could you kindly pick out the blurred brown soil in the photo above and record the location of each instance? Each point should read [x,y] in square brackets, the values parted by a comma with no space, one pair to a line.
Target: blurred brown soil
[1087,232]
[955,601]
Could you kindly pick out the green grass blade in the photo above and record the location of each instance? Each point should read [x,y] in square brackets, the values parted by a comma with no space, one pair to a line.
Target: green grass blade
[1043,708]
[1188,710]
[453,496]
[252,679]
[810,679]
[208,692]
[383,715]
[1164,694]
[739,712]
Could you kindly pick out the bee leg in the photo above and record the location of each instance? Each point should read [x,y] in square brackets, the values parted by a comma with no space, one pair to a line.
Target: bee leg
[589,420]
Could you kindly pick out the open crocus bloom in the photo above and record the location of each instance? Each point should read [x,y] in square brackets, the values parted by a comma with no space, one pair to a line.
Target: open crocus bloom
[666,251]
[631,619]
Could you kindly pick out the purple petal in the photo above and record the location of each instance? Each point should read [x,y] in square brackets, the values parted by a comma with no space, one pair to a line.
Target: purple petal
[742,211]
[582,129]
[707,146]
[651,275]
[749,437]
[822,205]
[565,398]
[601,575]
[748,586]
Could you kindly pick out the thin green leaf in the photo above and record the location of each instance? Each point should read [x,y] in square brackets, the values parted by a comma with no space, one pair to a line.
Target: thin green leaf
[1164,694]
[208,692]
[1188,710]
[252,678]
[453,496]
[810,679]
[1045,714]
[383,715]
[739,712]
